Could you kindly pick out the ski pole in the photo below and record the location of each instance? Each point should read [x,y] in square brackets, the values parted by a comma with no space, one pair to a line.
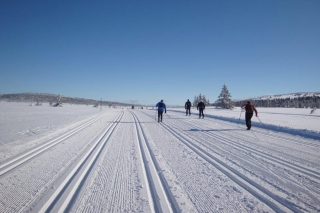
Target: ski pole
[262,123]
[240,116]
[168,115]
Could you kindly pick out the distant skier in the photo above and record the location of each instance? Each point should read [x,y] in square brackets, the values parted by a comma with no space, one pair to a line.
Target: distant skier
[313,110]
[161,108]
[201,106]
[250,108]
[187,106]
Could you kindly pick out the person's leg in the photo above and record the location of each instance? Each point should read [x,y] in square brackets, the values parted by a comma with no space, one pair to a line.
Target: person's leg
[159,114]
[250,116]
[248,120]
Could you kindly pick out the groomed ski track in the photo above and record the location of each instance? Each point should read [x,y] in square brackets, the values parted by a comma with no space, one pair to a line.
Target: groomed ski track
[125,161]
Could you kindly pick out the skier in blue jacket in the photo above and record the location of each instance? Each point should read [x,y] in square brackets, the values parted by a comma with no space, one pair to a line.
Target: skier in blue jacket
[161,108]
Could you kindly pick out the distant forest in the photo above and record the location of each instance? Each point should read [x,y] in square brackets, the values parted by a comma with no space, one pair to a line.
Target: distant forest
[40,98]
[301,102]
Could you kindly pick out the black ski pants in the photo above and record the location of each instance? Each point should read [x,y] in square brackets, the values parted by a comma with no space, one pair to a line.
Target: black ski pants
[201,112]
[160,115]
[188,111]
[248,119]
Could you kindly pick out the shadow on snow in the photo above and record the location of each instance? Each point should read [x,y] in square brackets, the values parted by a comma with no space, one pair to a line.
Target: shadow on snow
[299,132]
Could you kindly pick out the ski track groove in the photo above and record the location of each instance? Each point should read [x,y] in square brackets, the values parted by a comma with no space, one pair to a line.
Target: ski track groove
[270,133]
[90,157]
[283,202]
[17,161]
[309,189]
[235,141]
[199,194]
[113,183]
[94,193]
[27,189]
[165,190]
[274,159]
[119,185]
[263,131]
[310,175]
[117,180]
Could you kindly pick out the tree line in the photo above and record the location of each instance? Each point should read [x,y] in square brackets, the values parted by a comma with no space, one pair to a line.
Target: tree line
[225,101]
[300,102]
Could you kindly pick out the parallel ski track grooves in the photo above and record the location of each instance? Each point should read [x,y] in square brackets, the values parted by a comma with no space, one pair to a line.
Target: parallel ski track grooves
[85,164]
[262,131]
[234,143]
[269,133]
[14,163]
[169,196]
[234,175]
[312,175]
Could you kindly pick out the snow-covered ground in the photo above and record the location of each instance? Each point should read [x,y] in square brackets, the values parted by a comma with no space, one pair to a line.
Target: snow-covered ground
[83,159]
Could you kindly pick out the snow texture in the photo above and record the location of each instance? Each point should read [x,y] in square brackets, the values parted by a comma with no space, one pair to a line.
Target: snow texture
[83,159]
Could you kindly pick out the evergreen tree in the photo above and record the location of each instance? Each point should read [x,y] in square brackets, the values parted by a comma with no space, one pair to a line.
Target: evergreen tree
[198,98]
[224,99]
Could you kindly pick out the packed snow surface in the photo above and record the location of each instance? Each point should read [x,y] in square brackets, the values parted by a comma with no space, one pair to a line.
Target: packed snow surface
[85,159]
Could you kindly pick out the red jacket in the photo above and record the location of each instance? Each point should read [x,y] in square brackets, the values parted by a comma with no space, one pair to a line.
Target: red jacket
[250,108]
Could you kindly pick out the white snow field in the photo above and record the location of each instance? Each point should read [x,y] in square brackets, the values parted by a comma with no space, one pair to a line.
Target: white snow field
[83,159]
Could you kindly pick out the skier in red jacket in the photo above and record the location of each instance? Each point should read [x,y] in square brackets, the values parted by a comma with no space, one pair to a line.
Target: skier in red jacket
[250,108]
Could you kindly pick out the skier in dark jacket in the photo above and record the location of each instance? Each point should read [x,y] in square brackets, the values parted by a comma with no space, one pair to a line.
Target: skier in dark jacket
[161,108]
[201,106]
[250,108]
[187,106]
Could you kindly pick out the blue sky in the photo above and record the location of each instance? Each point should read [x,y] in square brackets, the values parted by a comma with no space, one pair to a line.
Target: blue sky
[145,51]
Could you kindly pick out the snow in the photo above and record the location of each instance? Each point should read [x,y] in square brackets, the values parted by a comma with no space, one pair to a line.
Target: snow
[79,158]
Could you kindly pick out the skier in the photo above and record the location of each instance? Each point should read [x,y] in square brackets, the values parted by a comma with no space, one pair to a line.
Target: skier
[250,108]
[201,106]
[187,106]
[313,110]
[161,107]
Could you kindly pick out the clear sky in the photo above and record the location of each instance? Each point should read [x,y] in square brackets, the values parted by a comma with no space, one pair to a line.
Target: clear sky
[145,51]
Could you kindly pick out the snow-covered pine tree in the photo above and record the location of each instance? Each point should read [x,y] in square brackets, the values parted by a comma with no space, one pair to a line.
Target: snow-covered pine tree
[198,98]
[224,100]
[204,99]
[195,101]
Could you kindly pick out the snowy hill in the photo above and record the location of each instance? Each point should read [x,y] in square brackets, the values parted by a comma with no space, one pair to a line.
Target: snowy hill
[291,100]
[46,98]
[290,95]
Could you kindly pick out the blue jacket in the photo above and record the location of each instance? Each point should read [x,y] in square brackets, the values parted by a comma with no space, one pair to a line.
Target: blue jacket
[161,106]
